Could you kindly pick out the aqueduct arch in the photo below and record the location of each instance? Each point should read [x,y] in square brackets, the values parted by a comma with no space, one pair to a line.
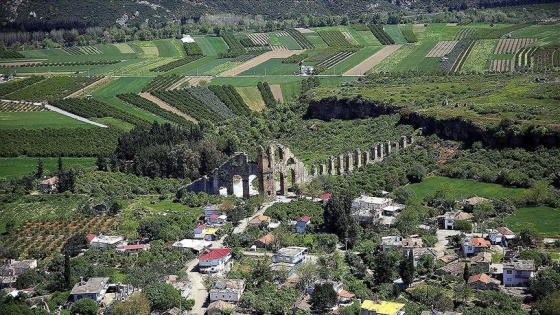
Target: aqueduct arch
[277,161]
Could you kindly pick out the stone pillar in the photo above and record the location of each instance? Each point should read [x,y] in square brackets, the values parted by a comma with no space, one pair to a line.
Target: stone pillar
[388,148]
[366,158]
[332,170]
[245,181]
[379,156]
[395,146]
[358,158]
[403,142]
[410,140]
[313,170]
[340,164]
[283,185]
[349,162]
[322,169]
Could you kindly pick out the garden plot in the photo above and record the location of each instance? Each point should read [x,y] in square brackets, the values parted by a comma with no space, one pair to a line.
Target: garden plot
[511,46]
[338,57]
[442,48]
[502,65]
[258,60]
[6,107]
[124,48]
[465,33]
[477,60]
[252,97]
[370,62]
[277,92]
[304,30]
[260,39]
[279,34]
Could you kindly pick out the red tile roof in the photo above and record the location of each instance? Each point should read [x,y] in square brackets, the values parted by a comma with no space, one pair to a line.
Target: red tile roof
[200,226]
[480,242]
[266,239]
[214,216]
[131,247]
[90,237]
[305,218]
[215,253]
[480,277]
[325,196]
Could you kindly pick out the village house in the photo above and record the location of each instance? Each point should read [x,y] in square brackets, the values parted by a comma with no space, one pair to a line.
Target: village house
[418,252]
[105,241]
[214,260]
[483,282]
[205,233]
[454,269]
[474,245]
[264,241]
[94,288]
[135,248]
[410,243]
[344,297]
[377,307]
[220,308]
[393,210]
[518,272]
[469,204]
[483,260]
[501,236]
[229,290]
[183,286]
[449,218]
[217,219]
[210,210]
[391,242]
[258,220]
[368,209]
[196,245]
[302,223]
[288,259]
[49,184]
[11,269]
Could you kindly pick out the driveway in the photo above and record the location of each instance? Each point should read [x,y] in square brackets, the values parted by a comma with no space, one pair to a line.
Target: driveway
[442,236]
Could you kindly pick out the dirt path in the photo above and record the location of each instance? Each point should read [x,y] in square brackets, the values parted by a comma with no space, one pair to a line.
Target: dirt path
[195,81]
[65,113]
[258,60]
[366,65]
[166,106]
[277,92]
[89,88]
[178,84]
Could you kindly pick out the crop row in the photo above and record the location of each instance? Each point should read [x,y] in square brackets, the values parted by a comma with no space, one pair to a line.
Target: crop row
[266,94]
[20,107]
[61,64]
[12,86]
[462,58]
[192,49]
[381,35]
[86,50]
[177,63]
[547,57]
[204,95]
[335,59]
[249,55]
[51,88]
[295,58]
[259,39]
[326,54]
[92,108]
[9,54]
[229,96]
[448,61]
[161,82]
[247,42]
[61,141]
[511,46]
[466,33]
[334,39]
[300,39]
[523,58]
[235,47]
[408,33]
[144,104]
[186,103]
[442,48]
[501,65]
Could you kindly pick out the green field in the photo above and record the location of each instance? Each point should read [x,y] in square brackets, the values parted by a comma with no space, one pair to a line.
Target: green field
[109,52]
[418,61]
[19,166]
[547,34]
[291,89]
[462,188]
[289,42]
[478,59]
[36,120]
[211,46]
[252,97]
[546,220]
[273,67]
[316,40]
[395,33]
[388,64]
[168,48]
[368,37]
[439,32]
[352,60]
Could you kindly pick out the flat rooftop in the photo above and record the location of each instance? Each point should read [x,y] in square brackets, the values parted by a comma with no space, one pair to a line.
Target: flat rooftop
[93,285]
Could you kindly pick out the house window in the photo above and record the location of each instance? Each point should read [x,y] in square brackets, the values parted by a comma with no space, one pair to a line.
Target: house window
[519,273]
[509,272]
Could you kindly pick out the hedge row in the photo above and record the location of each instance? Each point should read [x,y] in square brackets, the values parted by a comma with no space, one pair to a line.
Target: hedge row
[229,96]
[266,94]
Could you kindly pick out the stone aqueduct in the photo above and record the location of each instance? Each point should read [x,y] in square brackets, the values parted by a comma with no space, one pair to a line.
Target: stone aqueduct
[277,164]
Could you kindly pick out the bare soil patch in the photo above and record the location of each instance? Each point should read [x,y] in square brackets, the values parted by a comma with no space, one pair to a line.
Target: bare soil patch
[277,92]
[442,48]
[90,87]
[304,30]
[195,81]
[258,60]
[451,24]
[166,106]
[370,62]
[179,83]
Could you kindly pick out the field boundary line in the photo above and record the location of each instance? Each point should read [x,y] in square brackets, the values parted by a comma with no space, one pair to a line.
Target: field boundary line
[164,105]
[80,118]
[370,62]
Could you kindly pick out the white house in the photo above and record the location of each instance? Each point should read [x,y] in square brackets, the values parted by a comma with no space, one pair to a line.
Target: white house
[391,242]
[229,290]
[518,272]
[192,245]
[214,259]
[450,217]
[106,241]
[474,245]
[94,288]
[369,209]
[290,255]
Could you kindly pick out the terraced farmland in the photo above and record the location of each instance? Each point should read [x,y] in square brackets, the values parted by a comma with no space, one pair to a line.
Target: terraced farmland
[336,58]
[260,39]
[511,46]
[504,65]
[442,48]
[478,59]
